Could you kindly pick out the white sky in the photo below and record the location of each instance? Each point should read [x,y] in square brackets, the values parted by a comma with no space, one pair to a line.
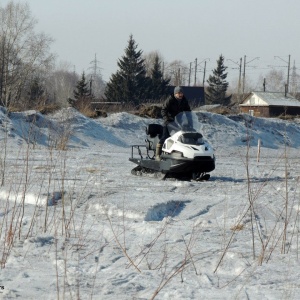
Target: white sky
[182,30]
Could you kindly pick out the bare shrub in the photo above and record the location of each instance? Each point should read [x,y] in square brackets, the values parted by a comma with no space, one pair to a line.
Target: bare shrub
[84,106]
[48,108]
[150,110]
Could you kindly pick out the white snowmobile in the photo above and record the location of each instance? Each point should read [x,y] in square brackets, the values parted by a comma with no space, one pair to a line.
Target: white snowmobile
[185,154]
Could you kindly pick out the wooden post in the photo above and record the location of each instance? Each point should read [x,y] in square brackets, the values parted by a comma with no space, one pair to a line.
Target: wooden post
[258,150]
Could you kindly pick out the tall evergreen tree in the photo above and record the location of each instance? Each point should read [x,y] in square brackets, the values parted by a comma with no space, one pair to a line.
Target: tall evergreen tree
[216,91]
[158,84]
[129,83]
[82,89]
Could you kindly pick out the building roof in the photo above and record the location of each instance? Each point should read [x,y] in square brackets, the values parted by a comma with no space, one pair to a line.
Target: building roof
[208,107]
[270,99]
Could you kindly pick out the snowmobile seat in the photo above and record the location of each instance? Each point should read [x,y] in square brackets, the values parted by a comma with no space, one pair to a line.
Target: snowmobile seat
[154,130]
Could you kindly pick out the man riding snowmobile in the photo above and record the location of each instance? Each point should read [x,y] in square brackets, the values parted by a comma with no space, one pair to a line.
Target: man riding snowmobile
[173,105]
[185,153]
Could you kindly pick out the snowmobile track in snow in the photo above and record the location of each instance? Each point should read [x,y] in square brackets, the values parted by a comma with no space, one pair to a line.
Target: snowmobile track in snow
[170,209]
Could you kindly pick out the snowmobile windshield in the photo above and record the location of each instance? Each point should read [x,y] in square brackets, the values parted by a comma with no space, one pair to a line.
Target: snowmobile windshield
[186,121]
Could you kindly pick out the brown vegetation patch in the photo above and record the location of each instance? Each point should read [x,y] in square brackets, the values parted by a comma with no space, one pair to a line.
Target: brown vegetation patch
[47,108]
[288,117]
[221,110]
[237,227]
[150,111]
[84,106]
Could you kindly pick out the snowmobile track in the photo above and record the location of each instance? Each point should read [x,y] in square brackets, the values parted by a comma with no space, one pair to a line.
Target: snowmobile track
[142,171]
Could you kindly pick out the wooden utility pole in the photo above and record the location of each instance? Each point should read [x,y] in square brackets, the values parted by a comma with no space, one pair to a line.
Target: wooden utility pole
[288,74]
[240,78]
[244,75]
[190,73]
[195,80]
[204,73]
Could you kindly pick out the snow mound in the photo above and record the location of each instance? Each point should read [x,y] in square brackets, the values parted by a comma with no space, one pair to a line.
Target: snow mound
[84,130]
[238,130]
[29,126]
[66,125]
[124,120]
[124,129]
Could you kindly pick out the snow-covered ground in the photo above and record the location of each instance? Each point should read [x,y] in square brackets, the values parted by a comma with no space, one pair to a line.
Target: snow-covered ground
[75,224]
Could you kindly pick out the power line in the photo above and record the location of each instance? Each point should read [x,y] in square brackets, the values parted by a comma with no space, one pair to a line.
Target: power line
[240,74]
[288,74]
[198,64]
[244,73]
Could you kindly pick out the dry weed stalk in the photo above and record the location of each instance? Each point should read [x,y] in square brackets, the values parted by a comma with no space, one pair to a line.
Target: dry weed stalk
[3,152]
[266,245]
[187,259]
[122,247]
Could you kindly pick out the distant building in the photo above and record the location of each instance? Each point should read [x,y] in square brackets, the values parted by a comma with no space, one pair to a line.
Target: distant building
[270,104]
[195,94]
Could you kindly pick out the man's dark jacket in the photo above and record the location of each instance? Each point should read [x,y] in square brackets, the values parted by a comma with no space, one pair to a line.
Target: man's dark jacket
[172,107]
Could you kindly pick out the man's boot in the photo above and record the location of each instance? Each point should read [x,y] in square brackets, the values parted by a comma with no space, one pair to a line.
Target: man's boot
[158,151]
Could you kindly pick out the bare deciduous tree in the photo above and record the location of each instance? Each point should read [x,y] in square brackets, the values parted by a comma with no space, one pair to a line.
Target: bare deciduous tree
[294,87]
[97,85]
[178,71]
[274,81]
[61,83]
[149,61]
[23,53]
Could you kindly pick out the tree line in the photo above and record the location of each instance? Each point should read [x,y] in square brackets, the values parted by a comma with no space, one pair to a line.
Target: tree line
[29,76]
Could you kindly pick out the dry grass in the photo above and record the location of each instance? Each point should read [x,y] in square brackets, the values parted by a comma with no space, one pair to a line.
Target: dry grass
[48,108]
[288,117]
[42,108]
[237,227]
[87,111]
